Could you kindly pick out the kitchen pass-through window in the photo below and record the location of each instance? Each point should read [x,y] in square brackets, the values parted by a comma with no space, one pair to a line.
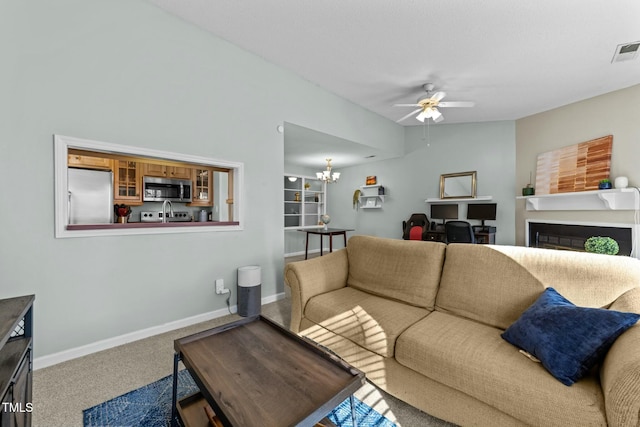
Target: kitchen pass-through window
[110,189]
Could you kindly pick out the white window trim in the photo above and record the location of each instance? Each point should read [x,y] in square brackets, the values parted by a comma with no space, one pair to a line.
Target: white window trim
[62,144]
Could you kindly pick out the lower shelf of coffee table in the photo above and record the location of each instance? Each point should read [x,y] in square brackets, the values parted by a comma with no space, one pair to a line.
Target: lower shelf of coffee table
[192,413]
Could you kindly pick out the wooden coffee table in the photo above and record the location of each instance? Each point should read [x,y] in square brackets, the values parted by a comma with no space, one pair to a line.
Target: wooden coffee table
[253,372]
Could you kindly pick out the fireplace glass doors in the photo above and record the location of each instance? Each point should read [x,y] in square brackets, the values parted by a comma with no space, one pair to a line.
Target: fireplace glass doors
[572,236]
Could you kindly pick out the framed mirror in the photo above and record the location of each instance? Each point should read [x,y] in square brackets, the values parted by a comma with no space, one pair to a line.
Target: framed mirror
[460,185]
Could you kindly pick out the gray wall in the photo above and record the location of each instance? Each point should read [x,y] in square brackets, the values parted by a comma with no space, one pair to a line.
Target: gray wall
[614,113]
[488,148]
[127,72]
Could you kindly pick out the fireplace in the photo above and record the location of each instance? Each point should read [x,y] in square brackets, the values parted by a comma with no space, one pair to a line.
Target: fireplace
[568,236]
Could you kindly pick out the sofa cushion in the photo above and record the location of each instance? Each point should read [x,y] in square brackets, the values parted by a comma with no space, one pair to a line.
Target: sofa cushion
[404,270]
[368,320]
[473,358]
[568,340]
[496,284]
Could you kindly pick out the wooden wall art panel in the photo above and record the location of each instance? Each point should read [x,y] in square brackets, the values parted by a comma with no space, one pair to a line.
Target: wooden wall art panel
[578,167]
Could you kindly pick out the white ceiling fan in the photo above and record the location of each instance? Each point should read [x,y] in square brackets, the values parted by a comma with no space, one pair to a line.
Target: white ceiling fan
[428,104]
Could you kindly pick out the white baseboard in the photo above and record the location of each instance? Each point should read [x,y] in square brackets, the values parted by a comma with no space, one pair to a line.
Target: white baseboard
[63,356]
[313,251]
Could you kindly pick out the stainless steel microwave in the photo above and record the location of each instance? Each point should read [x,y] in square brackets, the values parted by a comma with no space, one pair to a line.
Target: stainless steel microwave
[161,189]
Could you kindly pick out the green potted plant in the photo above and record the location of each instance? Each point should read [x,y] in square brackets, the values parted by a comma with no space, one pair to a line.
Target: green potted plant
[529,190]
[605,184]
[601,245]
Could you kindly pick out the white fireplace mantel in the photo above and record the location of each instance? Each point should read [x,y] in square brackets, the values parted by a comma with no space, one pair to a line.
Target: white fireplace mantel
[614,199]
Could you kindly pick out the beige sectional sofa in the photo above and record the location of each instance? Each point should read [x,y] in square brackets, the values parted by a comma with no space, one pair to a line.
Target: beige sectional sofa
[424,321]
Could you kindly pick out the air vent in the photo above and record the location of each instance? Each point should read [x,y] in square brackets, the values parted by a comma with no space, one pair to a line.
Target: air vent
[626,52]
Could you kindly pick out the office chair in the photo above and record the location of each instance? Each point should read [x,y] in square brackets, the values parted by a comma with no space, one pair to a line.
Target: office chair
[416,227]
[459,232]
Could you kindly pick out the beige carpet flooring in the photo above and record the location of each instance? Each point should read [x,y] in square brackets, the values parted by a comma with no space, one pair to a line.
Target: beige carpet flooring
[62,391]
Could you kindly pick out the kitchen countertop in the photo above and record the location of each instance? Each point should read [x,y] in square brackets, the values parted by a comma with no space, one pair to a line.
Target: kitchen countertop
[150,225]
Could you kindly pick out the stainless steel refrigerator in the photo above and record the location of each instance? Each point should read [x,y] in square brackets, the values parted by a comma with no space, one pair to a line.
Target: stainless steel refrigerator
[90,196]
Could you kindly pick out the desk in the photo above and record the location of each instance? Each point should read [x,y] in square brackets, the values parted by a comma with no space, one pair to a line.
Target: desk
[322,232]
[482,238]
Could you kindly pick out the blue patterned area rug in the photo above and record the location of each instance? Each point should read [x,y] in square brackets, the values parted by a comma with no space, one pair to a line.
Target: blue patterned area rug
[150,406]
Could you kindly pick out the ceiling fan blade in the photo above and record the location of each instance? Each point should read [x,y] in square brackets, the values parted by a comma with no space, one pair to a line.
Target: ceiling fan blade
[408,115]
[438,95]
[456,104]
[406,105]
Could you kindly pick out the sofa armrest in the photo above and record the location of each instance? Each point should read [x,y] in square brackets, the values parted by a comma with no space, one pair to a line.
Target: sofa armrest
[314,277]
[620,371]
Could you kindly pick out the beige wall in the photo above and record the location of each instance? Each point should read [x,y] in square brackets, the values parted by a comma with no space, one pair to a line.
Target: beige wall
[614,113]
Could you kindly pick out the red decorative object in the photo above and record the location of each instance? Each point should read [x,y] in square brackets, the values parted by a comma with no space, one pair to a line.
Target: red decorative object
[122,210]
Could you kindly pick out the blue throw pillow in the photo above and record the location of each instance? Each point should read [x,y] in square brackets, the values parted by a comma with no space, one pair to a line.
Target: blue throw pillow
[568,340]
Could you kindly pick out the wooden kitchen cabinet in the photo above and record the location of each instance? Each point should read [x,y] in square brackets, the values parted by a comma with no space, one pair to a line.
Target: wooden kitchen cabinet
[202,187]
[162,171]
[89,162]
[179,172]
[127,182]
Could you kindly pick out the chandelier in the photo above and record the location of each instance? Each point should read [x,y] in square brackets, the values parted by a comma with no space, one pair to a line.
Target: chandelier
[326,175]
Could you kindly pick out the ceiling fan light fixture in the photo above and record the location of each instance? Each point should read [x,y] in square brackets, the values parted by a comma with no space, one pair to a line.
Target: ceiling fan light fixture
[428,103]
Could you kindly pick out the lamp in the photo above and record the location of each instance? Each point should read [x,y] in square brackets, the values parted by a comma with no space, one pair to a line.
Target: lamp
[429,113]
[326,175]
[293,178]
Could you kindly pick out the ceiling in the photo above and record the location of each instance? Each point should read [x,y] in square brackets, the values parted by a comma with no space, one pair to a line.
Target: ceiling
[310,148]
[512,58]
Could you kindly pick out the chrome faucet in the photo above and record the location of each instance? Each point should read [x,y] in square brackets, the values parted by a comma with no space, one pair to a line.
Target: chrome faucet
[164,210]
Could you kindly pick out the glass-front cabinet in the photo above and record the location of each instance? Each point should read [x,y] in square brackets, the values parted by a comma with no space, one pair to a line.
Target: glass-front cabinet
[304,200]
[127,182]
[202,187]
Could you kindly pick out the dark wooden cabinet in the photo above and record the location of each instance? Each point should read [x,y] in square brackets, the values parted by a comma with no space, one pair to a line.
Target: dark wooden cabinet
[16,359]
[485,238]
[481,237]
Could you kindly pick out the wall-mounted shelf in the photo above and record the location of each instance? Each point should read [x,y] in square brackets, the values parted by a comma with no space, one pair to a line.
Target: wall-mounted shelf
[370,197]
[465,199]
[615,199]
